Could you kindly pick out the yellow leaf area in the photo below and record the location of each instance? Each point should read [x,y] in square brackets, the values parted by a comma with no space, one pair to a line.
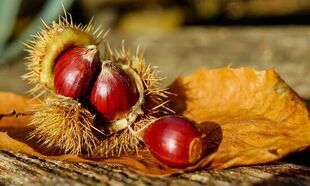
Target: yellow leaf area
[248,117]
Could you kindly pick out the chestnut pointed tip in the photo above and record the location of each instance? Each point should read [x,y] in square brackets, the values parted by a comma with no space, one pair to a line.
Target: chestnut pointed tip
[91,52]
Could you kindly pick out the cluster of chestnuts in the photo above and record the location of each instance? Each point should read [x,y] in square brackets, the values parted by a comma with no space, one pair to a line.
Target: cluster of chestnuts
[113,97]
[79,74]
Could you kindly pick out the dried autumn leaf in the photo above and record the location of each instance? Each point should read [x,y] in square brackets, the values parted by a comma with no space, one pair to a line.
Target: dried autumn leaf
[249,117]
[255,116]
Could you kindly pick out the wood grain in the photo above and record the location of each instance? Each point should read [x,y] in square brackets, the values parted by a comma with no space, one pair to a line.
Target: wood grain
[21,169]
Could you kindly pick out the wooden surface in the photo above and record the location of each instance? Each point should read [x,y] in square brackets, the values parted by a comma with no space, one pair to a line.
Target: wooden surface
[180,53]
[20,169]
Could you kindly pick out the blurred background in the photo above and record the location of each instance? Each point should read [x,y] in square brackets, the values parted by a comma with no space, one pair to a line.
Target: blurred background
[179,36]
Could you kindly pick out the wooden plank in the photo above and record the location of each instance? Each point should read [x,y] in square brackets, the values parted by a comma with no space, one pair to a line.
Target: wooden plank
[21,169]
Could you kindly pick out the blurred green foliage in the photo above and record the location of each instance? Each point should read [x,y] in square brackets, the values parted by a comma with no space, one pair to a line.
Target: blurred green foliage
[9,9]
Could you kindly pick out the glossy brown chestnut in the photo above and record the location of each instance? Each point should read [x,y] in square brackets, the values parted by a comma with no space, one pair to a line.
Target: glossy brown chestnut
[114,92]
[174,141]
[75,70]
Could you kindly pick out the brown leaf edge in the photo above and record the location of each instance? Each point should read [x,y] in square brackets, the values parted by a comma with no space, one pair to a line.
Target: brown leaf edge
[249,117]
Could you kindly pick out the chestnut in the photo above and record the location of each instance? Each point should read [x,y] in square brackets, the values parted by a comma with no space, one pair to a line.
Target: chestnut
[114,92]
[174,141]
[75,70]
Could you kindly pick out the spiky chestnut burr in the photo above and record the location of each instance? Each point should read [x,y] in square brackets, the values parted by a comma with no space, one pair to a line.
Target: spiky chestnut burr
[49,44]
[60,122]
[174,141]
[64,124]
[44,51]
[75,70]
